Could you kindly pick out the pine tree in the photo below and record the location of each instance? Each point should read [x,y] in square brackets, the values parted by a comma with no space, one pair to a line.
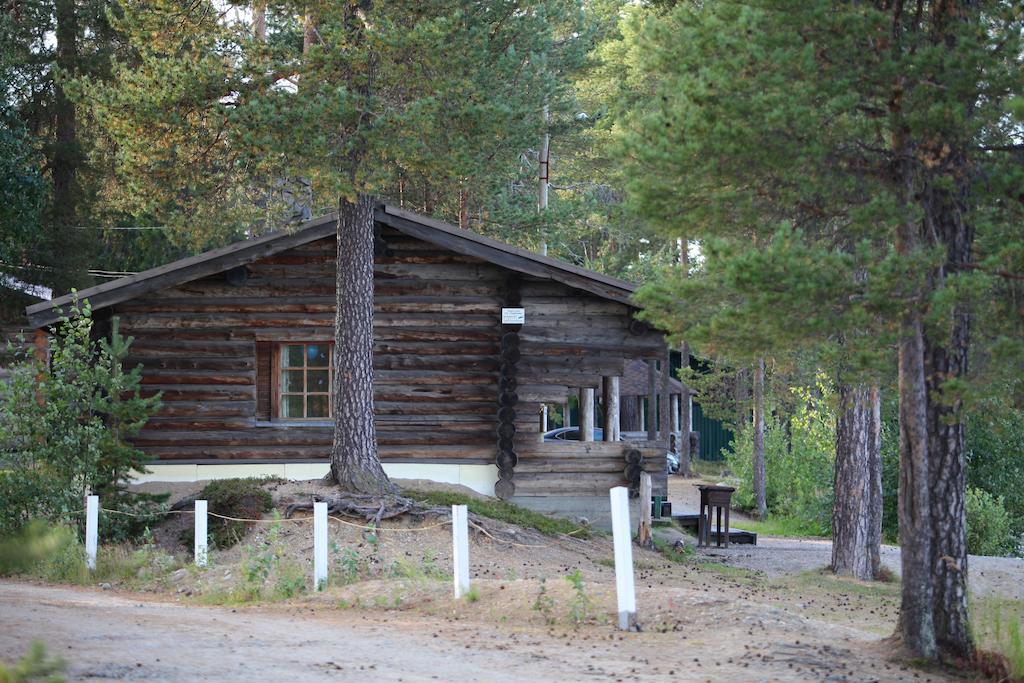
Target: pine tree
[215,124]
[851,170]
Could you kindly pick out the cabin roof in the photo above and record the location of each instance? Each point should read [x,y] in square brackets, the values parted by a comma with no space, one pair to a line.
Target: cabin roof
[634,380]
[415,225]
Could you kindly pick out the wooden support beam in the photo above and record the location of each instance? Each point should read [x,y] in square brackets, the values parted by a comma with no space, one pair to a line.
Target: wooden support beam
[674,405]
[652,401]
[587,414]
[612,426]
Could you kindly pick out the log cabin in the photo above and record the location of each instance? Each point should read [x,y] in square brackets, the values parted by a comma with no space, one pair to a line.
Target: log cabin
[472,337]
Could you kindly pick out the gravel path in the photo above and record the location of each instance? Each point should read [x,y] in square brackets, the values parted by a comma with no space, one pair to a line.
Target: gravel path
[988,576]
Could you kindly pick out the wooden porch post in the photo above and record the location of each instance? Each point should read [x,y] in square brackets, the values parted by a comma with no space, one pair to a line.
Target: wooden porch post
[566,421]
[652,402]
[674,404]
[612,426]
[586,413]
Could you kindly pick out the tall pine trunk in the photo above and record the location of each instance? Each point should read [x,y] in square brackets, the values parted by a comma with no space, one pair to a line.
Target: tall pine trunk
[857,508]
[355,463]
[760,493]
[945,359]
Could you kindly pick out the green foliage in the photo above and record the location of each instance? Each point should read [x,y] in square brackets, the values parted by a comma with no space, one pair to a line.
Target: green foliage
[799,458]
[425,100]
[33,544]
[65,429]
[988,525]
[998,626]
[680,553]
[266,563]
[580,605]
[995,455]
[35,667]
[244,498]
[502,511]
[349,565]
[544,603]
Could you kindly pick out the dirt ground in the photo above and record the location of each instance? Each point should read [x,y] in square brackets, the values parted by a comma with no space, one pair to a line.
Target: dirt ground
[112,636]
[388,615]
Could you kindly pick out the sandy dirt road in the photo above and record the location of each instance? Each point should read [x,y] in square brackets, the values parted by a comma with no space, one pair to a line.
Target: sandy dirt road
[114,636]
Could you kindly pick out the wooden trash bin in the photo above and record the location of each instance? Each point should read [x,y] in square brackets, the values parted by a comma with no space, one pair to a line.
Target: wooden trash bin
[713,499]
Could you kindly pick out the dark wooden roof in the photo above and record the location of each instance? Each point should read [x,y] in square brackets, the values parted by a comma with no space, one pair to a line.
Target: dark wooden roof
[634,380]
[412,224]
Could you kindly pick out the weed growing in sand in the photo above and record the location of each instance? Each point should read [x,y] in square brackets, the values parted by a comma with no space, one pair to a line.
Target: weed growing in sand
[472,595]
[267,559]
[349,564]
[678,552]
[544,603]
[580,606]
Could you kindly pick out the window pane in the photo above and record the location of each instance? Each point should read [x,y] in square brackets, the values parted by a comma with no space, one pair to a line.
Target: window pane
[291,381]
[317,381]
[316,406]
[317,355]
[291,406]
[292,356]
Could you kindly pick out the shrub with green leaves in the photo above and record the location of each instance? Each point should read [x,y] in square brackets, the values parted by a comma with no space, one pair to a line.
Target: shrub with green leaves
[995,454]
[65,430]
[35,667]
[988,524]
[799,459]
[241,498]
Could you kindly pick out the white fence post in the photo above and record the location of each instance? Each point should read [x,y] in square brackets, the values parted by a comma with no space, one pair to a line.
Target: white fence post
[319,545]
[460,549]
[624,586]
[92,519]
[200,533]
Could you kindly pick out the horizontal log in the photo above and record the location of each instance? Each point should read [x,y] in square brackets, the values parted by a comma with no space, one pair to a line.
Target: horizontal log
[193,362]
[178,377]
[210,408]
[194,393]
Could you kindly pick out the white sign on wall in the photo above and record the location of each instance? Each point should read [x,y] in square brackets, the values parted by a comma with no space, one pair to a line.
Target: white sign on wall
[513,316]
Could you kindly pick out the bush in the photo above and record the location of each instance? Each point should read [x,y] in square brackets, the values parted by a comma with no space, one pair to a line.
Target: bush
[65,430]
[799,458]
[995,455]
[988,525]
[242,498]
[35,667]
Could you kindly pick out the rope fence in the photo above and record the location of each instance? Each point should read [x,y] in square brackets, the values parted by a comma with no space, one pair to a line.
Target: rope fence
[459,522]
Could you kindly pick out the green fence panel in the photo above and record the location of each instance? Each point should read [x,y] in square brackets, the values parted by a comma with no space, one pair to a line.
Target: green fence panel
[714,437]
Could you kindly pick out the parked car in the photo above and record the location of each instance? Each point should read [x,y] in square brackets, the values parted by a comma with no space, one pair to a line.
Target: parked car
[571,434]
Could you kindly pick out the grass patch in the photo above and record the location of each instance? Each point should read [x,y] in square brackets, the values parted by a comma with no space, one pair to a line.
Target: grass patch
[823,580]
[503,512]
[728,571]
[681,555]
[789,527]
[998,626]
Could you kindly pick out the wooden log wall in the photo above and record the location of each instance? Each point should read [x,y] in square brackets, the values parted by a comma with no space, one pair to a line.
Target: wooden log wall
[584,469]
[437,358]
[436,355]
